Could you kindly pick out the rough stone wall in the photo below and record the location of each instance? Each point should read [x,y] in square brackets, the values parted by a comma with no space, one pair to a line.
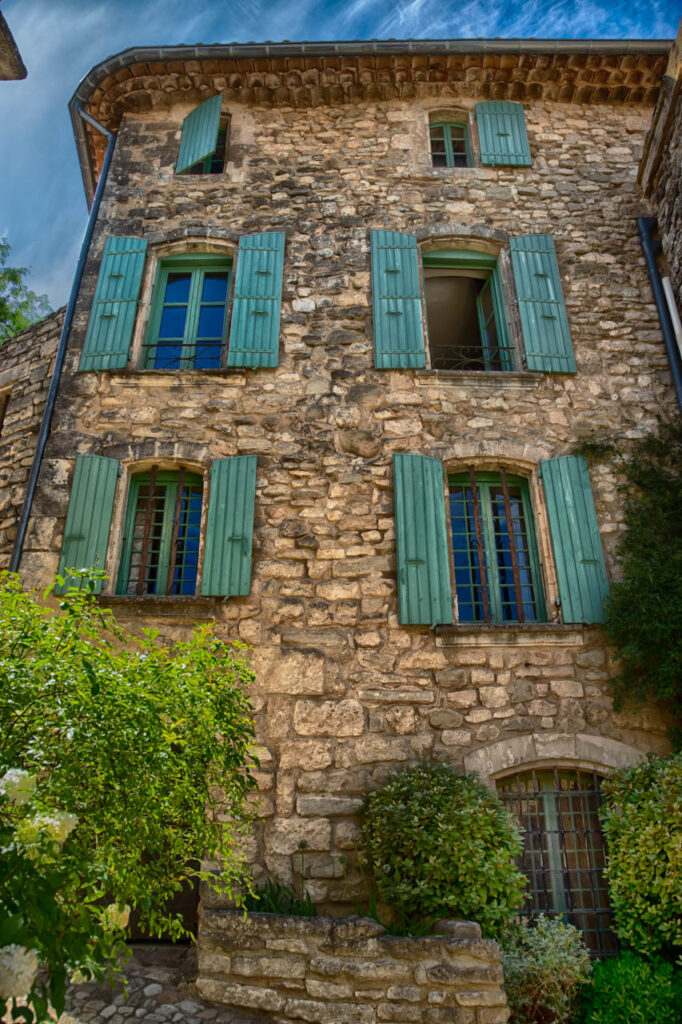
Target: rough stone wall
[350,972]
[343,692]
[25,372]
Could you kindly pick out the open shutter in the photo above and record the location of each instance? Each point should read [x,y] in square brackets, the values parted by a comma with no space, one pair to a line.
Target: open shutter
[546,334]
[424,594]
[397,303]
[575,538]
[112,318]
[88,519]
[229,527]
[254,334]
[502,133]
[199,134]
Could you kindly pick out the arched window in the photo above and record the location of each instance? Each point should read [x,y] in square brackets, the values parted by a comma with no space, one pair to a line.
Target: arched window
[449,144]
[563,848]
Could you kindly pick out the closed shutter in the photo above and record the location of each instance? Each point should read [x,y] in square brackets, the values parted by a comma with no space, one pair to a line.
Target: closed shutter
[546,334]
[254,334]
[229,527]
[397,303]
[112,318]
[576,542]
[502,133]
[424,594]
[199,134]
[88,519]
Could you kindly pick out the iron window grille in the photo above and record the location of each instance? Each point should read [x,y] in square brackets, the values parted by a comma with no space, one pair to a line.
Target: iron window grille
[449,144]
[188,320]
[563,849]
[162,532]
[497,570]
[465,312]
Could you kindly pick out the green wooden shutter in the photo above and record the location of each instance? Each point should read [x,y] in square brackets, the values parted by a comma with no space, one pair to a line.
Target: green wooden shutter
[88,519]
[199,134]
[575,538]
[546,334]
[229,527]
[112,318]
[424,594]
[254,333]
[397,302]
[502,132]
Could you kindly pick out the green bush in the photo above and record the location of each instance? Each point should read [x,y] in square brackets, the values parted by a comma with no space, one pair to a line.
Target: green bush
[630,990]
[642,821]
[441,844]
[275,897]
[546,966]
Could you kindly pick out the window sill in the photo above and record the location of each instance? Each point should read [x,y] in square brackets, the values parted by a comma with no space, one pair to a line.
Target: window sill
[173,607]
[479,378]
[234,375]
[535,634]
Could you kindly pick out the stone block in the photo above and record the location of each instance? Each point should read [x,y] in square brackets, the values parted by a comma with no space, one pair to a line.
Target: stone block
[307,754]
[329,718]
[327,806]
[249,997]
[269,966]
[329,1013]
[285,836]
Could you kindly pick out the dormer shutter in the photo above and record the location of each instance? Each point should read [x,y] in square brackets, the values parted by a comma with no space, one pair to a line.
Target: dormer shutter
[199,134]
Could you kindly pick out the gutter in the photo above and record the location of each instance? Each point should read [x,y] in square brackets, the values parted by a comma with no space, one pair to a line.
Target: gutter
[651,247]
[120,62]
[60,354]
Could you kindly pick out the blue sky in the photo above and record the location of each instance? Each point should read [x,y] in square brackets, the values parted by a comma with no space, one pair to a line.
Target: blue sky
[42,204]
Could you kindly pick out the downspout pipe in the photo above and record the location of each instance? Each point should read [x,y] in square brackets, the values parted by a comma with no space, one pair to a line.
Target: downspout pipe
[48,411]
[651,247]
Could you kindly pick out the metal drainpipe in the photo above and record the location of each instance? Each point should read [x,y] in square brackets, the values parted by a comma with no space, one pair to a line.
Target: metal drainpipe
[647,225]
[44,431]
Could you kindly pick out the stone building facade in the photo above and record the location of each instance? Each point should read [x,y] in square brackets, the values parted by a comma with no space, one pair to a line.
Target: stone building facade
[334,150]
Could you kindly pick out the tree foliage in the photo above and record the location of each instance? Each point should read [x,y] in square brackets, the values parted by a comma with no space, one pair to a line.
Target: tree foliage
[139,754]
[642,822]
[440,844]
[644,612]
[19,306]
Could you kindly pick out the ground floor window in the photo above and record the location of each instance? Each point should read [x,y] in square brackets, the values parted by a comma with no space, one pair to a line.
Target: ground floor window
[563,850]
[162,530]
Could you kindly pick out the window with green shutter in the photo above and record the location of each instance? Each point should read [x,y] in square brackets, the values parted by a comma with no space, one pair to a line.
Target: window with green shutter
[502,134]
[201,141]
[88,519]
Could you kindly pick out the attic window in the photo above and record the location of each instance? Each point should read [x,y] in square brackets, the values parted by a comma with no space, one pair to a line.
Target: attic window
[449,144]
[214,163]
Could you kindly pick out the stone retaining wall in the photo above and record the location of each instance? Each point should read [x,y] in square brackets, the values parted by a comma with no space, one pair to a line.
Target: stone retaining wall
[349,971]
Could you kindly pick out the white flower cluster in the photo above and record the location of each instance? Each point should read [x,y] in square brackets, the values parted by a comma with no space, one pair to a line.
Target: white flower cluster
[17,785]
[18,969]
[57,825]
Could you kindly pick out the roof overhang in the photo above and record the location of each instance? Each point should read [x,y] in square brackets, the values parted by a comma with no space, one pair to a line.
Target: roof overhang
[11,64]
[316,74]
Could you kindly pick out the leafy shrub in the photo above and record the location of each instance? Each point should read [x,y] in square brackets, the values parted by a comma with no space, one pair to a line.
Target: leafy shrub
[546,965]
[642,821]
[441,844]
[630,990]
[276,897]
[123,762]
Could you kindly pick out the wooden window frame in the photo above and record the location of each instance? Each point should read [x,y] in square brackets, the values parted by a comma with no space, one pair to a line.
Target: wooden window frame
[197,265]
[447,127]
[564,848]
[166,562]
[485,550]
[479,264]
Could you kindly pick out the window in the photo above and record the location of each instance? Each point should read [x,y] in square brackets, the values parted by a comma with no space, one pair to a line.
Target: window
[161,536]
[496,573]
[214,163]
[465,314]
[187,325]
[165,513]
[563,848]
[466,307]
[449,144]
[496,567]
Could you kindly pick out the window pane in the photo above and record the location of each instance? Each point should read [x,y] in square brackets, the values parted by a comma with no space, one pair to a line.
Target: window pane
[465,553]
[452,317]
[173,322]
[177,288]
[503,552]
[187,545]
[211,319]
[215,288]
